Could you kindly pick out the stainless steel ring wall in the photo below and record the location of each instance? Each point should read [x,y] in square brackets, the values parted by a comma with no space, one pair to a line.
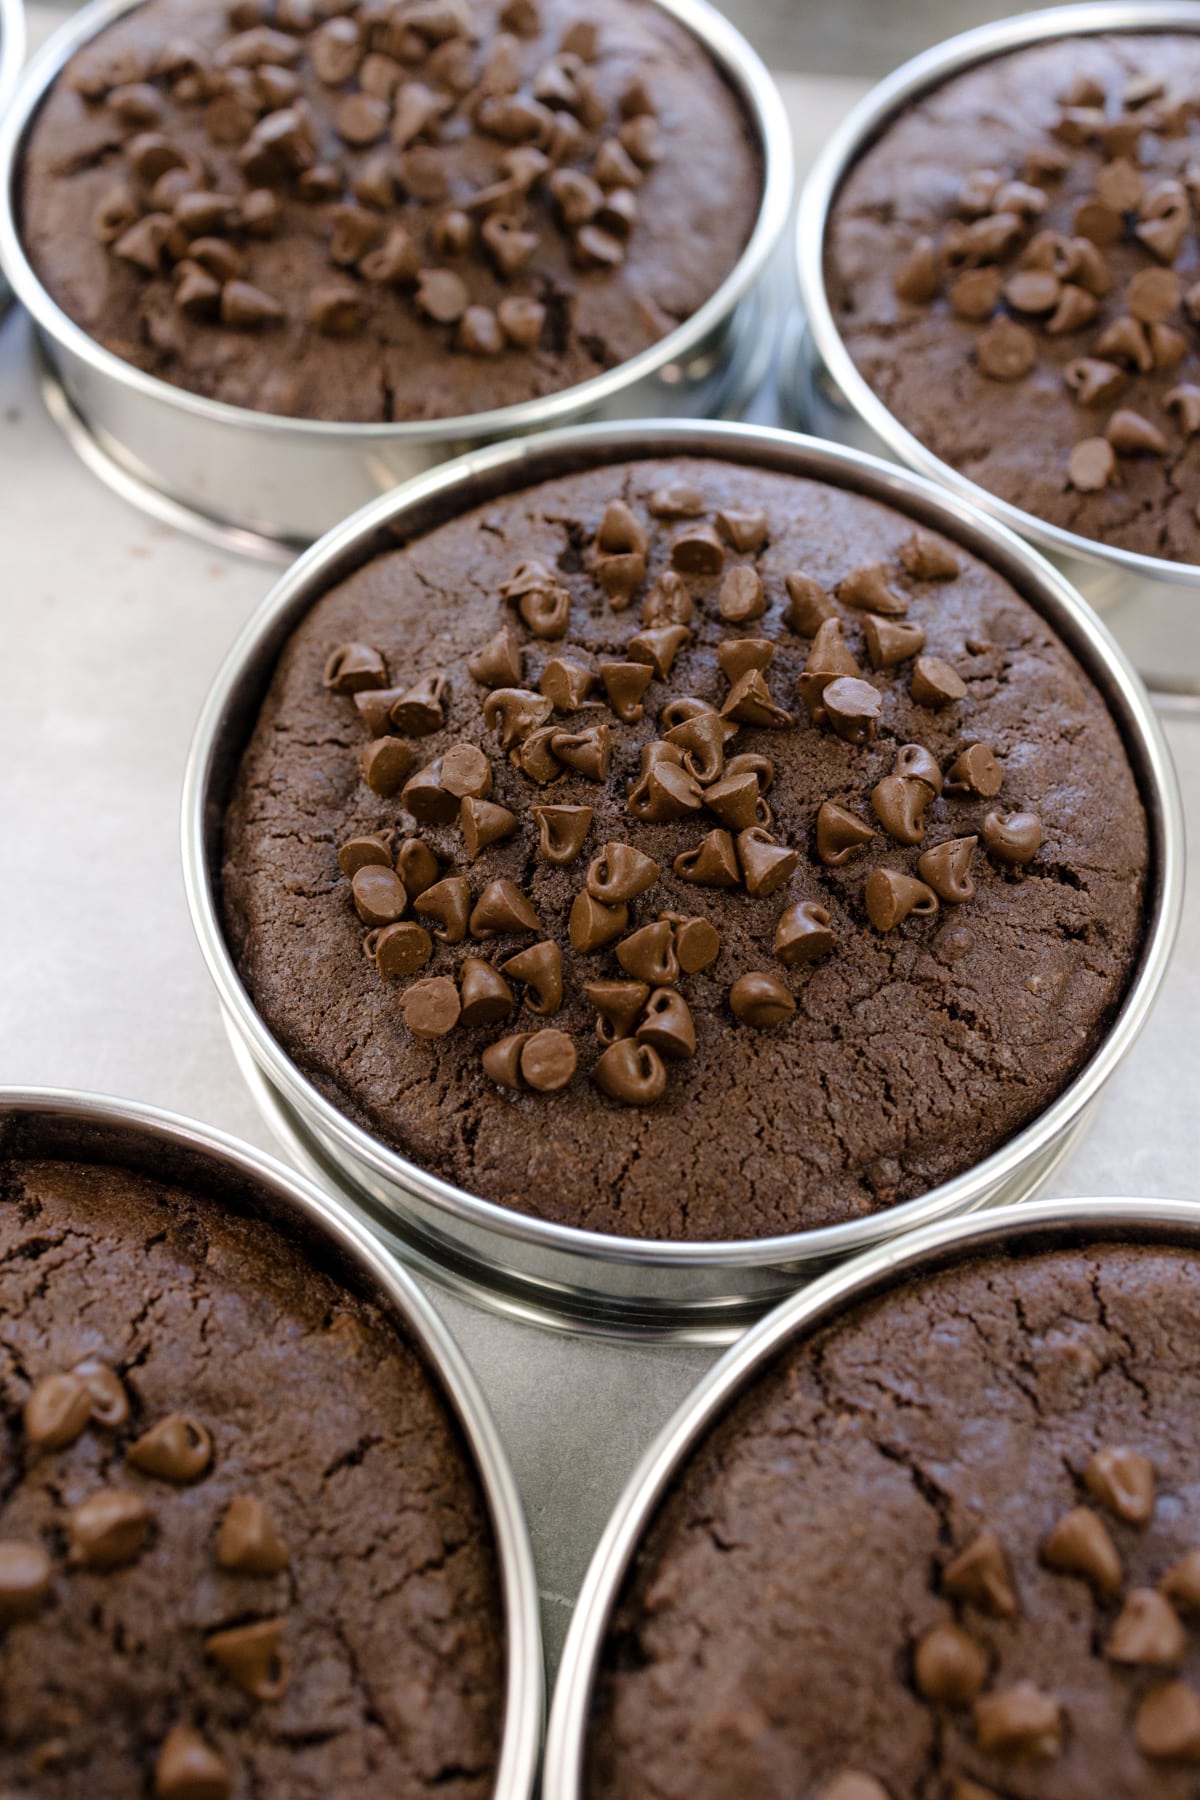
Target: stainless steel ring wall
[558,1273]
[255,479]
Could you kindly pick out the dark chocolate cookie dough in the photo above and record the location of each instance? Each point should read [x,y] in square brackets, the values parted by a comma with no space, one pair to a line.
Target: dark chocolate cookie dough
[387,211]
[849,958]
[949,1549]
[241,1543]
[1013,266]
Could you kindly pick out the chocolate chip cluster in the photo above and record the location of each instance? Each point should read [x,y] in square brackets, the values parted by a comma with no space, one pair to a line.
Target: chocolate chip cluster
[707,765]
[417,146]
[1144,1634]
[995,266]
[115,1524]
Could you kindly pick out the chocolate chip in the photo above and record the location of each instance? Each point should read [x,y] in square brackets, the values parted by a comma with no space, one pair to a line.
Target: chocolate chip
[25,1577]
[614,167]
[664,790]
[618,1005]
[515,713]
[401,949]
[426,799]
[1167,1724]
[697,550]
[852,1784]
[975,771]
[396,261]
[1125,341]
[839,834]
[1006,351]
[540,969]
[335,309]
[591,924]
[106,1391]
[741,596]
[868,589]
[188,1768]
[632,1073]
[566,684]
[449,902]
[542,603]
[625,683]
[766,865]
[431,1007]
[713,863]
[697,940]
[946,867]
[352,667]
[442,295]
[809,606]
[890,896]
[975,293]
[452,233]
[509,247]
[620,872]
[548,1061]
[522,320]
[56,1411]
[498,662]
[1184,402]
[588,752]
[949,1666]
[829,656]
[1132,435]
[561,832]
[355,232]
[484,823]
[916,279]
[251,1656]
[502,1060]
[501,908]
[248,1542]
[668,602]
[1014,839]
[936,682]
[1181,1583]
[485,995]
[1018,1721]
[803,933]
[1033,291]
[1092,381]
[668,1026]
[852,708]
[649,954]
[926,558]
[197,293]
[384,764]
[1091,465]
[479,332]
[1123,1481]
[1080,1544]
[760,1000]
[659,646]
[108,1529]
[577,196]
[258,212]
[379,896]
[676,500]
[417,866]
[144,242]
[1147,1632]
[737,801]
[466,772]
[177,1449]
[535,756]
[1076,308]
[891,641]
[900,804]
[750,702]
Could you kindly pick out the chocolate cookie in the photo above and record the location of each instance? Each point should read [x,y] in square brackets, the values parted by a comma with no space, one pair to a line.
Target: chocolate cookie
[1013,266]
[684,850]
[948,1549]
[387,211]
[242,1548]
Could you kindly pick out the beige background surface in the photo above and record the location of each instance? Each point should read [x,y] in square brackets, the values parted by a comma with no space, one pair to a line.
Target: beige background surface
[112,629]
